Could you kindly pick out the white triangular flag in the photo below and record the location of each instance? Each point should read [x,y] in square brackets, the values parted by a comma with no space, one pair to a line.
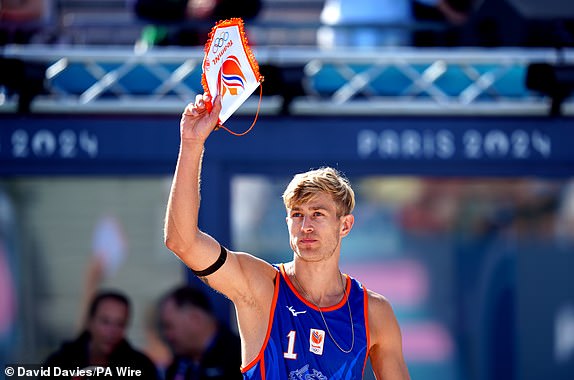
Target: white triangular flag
[229,67]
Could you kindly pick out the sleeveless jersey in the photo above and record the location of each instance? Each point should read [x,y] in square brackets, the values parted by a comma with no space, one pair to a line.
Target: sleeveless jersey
[298,344]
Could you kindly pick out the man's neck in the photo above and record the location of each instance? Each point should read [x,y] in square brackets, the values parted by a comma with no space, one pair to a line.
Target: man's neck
[322,284]
[97,358]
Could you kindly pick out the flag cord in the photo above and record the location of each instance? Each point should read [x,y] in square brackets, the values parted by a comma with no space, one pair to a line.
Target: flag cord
[254,120]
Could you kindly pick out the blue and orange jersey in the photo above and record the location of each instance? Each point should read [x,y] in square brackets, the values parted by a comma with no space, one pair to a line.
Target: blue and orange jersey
[298,343]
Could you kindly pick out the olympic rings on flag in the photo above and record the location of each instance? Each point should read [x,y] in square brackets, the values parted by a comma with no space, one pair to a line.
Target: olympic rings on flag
[220,41]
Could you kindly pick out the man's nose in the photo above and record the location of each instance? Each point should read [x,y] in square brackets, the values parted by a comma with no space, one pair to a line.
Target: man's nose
[306,224]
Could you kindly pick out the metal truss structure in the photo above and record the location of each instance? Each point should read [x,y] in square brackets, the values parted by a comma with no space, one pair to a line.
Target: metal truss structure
[311,81]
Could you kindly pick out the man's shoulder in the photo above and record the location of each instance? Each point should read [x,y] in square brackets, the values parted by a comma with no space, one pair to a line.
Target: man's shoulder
[382,319]
[378,304]
[126,352]
[70,352]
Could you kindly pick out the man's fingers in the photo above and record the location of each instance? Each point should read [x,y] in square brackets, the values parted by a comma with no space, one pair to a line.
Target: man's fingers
[199,100]
[214,115]
[188,111]
[216,109]
[206,98]
[194,110]
[199,108]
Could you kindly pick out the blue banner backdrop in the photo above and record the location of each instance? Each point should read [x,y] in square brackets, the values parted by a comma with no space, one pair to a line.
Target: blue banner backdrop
[436,146]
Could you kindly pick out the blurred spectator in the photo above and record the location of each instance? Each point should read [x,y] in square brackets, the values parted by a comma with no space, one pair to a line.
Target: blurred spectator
[432,211]
[536,204]
[103,342]
[202,348]
[155,346]
[187,22]
[22,20]
[9,302]
[364,23]
[496,23]
[565,214]
[108,254]
[370,23]
[448,15]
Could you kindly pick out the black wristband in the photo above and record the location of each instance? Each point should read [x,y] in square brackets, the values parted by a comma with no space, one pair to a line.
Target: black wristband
[215,266]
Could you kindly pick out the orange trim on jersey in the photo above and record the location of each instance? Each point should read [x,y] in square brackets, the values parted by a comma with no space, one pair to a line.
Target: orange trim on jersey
[367,329]
[262,368]
[260,355]
[330,308]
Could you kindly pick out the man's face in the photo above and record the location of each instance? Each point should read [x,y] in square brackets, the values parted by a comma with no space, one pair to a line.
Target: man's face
[177,327]
[315,230]
[108,326]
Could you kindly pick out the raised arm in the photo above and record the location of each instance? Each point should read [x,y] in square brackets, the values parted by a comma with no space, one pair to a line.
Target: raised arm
[183,236]
[386,351]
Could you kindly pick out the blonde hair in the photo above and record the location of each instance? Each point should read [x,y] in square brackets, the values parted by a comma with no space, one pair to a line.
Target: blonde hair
[305,186]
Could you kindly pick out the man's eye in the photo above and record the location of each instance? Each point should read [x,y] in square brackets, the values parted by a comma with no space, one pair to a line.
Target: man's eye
[317,213]
[296,215]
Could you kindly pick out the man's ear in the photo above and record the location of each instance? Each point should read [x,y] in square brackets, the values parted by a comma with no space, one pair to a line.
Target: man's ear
[347,224]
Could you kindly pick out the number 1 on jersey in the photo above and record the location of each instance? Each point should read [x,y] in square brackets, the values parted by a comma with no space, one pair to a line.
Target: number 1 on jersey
[290,346]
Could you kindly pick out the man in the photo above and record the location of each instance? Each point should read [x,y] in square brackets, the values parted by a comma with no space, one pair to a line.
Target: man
[102,343]
[202,348]
[302,319]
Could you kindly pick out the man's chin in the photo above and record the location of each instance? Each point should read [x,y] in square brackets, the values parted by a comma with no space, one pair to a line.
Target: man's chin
[108,349]
[308,255]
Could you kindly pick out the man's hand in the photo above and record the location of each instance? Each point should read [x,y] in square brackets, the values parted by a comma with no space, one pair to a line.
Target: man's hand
[196,121]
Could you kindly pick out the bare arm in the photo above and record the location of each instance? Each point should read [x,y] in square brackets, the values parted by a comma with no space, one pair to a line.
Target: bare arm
[243,278]
[195,248]
[386,351]
[182,234]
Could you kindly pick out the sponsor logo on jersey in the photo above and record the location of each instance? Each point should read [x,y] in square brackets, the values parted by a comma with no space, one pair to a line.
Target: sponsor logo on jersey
[294,312]
[316,341]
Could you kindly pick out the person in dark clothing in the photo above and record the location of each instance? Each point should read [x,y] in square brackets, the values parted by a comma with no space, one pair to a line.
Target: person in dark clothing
[445,18]
[187,22]
[102,344]
[202,347]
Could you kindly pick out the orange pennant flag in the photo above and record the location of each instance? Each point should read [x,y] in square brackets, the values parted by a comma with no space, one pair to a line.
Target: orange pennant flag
[229,66]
